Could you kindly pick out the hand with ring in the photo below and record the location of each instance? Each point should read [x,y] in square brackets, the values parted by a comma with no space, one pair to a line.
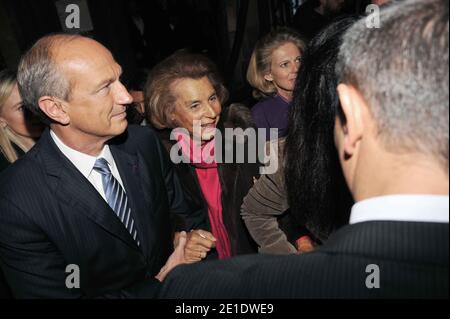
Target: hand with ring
[199,243]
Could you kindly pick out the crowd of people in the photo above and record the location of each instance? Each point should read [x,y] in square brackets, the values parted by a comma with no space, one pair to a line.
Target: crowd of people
[129,183]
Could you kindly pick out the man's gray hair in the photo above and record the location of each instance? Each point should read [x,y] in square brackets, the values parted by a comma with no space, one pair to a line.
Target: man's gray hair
[401,69]
[38,74]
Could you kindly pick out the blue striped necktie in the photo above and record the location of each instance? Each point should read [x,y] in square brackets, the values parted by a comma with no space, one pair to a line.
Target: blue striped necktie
[116,197]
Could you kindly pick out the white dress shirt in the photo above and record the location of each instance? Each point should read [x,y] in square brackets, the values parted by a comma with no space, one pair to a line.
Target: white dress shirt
[85,164]
[405,208]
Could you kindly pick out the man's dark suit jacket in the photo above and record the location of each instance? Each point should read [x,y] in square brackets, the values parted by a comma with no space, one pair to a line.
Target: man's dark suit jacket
[412,259]
[51,217]
[4,163]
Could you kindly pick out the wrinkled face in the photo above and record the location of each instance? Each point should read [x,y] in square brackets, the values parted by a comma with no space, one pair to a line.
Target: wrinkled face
[97,104]
[284,68]
[196,100]
[12,115]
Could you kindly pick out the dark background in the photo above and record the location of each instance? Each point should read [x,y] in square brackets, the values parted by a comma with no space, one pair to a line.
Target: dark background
[226,30]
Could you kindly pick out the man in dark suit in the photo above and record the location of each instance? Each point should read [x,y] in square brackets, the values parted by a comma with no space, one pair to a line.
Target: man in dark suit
[86,213]
[392,138]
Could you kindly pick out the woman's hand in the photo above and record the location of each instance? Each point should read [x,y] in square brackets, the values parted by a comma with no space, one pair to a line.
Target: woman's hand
[304,245]
[199,243]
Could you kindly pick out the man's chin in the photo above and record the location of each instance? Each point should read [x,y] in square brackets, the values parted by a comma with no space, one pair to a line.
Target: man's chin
[120,128]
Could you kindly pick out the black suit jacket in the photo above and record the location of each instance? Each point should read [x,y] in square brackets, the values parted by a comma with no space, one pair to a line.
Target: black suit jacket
[4,163]
[412,260]
[51,217]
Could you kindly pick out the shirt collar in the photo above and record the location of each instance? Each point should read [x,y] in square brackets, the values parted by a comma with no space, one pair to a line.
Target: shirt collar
[406,208]
[83,162]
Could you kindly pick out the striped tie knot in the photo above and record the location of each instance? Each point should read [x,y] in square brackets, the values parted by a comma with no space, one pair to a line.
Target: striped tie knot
[101,166]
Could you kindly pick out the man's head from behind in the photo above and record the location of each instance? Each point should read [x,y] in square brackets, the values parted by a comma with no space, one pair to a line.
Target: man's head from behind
[73,83]
[394,96]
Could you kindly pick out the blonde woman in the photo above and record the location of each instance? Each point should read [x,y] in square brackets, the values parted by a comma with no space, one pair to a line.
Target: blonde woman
[17,133]
[272,73]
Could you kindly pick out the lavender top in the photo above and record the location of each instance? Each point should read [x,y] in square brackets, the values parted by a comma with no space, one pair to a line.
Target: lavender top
[272,113]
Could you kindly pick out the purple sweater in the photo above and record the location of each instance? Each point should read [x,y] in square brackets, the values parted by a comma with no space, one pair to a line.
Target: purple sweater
[272,113]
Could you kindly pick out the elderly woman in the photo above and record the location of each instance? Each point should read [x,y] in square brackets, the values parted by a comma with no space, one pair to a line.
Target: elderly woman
[182,90]
[272,73]
[17,133]
[309,189]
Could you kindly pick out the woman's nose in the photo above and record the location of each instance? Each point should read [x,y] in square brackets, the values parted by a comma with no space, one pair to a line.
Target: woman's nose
[211,110]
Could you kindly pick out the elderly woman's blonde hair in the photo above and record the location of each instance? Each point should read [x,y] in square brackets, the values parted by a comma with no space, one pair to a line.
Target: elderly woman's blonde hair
[261,59]
[159,100]
[8,137]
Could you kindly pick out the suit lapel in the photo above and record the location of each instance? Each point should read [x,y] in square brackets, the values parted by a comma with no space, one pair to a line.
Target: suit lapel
[73,189]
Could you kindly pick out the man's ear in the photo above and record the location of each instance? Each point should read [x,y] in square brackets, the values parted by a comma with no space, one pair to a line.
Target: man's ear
[54,109]
[352,104]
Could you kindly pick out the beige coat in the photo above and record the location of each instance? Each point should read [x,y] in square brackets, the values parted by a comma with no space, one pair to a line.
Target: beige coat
[265,202]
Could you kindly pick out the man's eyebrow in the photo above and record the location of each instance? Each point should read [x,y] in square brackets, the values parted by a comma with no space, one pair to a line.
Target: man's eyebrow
[108,81]
[104,83]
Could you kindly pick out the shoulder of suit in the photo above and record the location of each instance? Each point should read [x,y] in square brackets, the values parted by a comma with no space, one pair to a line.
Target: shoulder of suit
[136,138]
[141,132]
[22,172]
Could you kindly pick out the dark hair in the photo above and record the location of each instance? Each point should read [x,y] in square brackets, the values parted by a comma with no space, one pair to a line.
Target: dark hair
[317,192]
[401,70]
[159,100]
[239,115]
[137,81]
